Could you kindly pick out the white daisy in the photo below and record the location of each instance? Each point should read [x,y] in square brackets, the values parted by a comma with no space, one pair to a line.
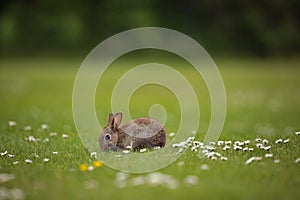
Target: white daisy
[28,161]
[44,126]
[12,123]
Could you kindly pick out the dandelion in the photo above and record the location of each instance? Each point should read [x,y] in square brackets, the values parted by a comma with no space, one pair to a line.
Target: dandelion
[55,152]
[97,163]
[276,161]
[44,126]
[12,123]
[27,128]
[83,167]
[28,161]
[172,134]
[65,136]
[46,159]
[297,132]
[204,167]
[297,160]
[286,141]
[52,134]
[278,141]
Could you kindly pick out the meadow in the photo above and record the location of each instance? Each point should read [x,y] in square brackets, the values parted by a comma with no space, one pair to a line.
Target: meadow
[42,156]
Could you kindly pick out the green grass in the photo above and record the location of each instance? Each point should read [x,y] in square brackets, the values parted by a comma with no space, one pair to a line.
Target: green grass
[262,101]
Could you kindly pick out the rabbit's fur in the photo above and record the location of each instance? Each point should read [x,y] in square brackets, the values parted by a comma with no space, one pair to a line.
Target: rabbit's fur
[135,134]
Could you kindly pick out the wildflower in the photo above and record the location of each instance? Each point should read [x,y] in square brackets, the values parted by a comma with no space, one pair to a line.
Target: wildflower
[28,161]
[93,154]
[204,167]
[226,147]
[55,152]
[286,141]
[228,142]
[194,148]
[245,149]
[267,148]
[90,168]
[12,123]
[250,149]
[237,148]
[175,145]
[97,163]
[31,139]
[46,159]
[27,128]
[126,151]
[224,158]
[65,136]
[143,150]
[259,145]
[278,141]
[247,142]
[250,160]
[83,167]
[140,180]
[276,161]
[297,132]
[44,126]
[3,153]
[6,177]
[258,140]
[46,140]
[268,155]
[191,180]
[220,143]
[172,134]
[265,141]
[213,158]
[52,134]
[297,160]
[91,184]
[10,155]
[15,162]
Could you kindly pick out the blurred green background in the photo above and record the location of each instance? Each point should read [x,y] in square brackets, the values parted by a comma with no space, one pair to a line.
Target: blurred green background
[256,28]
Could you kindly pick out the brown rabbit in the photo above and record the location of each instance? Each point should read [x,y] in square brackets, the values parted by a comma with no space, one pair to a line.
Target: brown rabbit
[135,134]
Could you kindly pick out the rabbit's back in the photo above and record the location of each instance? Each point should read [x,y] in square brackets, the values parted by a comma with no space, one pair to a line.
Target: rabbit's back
[142,133]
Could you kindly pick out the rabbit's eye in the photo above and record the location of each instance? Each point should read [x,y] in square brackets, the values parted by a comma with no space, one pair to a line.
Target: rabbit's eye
[107,137]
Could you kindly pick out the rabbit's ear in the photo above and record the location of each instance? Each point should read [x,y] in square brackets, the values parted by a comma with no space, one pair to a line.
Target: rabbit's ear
[110,119]
[117,119]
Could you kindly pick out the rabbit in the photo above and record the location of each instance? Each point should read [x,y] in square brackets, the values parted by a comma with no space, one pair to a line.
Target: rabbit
[136,134]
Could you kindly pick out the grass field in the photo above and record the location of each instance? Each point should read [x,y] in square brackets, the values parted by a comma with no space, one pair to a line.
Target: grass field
[263,101]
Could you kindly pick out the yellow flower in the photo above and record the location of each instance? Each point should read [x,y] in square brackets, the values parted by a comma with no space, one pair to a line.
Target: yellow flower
[83,167]
[97,163]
